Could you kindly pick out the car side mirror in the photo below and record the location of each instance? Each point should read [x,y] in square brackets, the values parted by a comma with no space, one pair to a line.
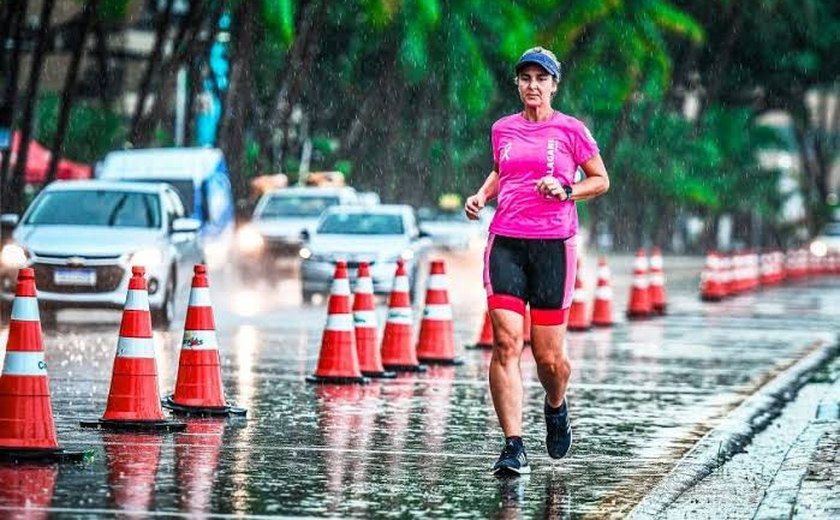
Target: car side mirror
[423,234]
[304,235]
[8,221]
[185,225]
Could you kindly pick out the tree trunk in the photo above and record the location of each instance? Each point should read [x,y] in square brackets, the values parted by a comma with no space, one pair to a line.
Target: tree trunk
[68,94]
[10,94]
[152,64]
[238,106]
[15,184]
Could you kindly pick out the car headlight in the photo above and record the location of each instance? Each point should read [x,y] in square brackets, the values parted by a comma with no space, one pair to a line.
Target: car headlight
[305,253]
[147,257]
[817,248]
[12,255]
[249,239]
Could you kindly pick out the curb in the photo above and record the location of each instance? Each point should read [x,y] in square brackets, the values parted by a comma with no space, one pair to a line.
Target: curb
[733,434]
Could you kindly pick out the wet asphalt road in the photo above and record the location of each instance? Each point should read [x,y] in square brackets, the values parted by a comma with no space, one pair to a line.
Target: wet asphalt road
[421,445]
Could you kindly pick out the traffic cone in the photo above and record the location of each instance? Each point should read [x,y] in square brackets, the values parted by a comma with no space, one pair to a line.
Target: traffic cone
[27,430]
[602,309]
[526,327]
[639,306]
[132,462]
[198,388]
[657,282]
[485,336]
[578,318]
[437,335]
[365,323]
[712,285]
[338,361]
[134,399]
[398,352]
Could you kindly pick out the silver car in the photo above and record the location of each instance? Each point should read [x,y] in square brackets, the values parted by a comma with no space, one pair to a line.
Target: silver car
[82,237]
[379,235]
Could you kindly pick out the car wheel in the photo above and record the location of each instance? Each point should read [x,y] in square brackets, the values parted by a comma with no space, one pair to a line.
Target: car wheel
[162,318]
[307,297]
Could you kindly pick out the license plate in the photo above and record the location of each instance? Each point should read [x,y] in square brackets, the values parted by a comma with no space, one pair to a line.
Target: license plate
[74,277]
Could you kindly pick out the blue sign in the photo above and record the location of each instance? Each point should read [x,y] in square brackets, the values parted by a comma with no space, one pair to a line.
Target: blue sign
[5,138]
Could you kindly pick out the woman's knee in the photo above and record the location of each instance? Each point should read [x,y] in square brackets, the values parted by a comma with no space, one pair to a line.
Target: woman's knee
[557,364]
[506,346]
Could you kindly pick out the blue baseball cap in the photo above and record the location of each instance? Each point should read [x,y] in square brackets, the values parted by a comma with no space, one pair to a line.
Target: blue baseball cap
[539,57]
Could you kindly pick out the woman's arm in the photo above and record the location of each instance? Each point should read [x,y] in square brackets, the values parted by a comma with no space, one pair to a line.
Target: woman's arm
[596,183]
[488,191]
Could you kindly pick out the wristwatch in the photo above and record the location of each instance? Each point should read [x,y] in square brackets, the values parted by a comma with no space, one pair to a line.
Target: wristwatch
[568,190]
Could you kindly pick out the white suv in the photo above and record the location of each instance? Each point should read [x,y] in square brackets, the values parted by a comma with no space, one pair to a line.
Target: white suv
[82,237]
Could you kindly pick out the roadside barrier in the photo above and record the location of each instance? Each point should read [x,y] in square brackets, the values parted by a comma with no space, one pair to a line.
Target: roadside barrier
[398,351]
[338,361]
[436,345]
[133,399]
[366,325]
[639,305]
[198,387]
[27,429]
[602,308]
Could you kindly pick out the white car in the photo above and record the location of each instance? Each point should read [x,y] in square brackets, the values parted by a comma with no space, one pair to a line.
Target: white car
[379,235]
[828,241]
[83,237]
[450,229]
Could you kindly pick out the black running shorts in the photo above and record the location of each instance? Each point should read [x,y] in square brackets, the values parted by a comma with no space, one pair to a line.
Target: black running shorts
[538,272]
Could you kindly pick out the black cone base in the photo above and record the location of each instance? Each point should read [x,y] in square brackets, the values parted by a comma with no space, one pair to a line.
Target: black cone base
[44,455]
[134,426]
[349,380]
[201,411]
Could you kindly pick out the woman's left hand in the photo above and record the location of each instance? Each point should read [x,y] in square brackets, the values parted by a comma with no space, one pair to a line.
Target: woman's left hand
[550,187]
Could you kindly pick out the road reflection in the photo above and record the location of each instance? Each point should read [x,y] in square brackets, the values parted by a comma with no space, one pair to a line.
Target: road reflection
[132,460]
[196,462]
[26,490]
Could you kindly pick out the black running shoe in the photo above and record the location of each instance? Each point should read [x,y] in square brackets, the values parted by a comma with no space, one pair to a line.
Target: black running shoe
[513,459]
[558,436]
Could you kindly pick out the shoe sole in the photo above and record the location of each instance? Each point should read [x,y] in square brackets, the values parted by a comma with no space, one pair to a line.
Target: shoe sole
[512,471]
[564,453]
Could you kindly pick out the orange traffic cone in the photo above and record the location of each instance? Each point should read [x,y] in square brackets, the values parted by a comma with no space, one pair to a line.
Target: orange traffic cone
[437,335]
[398,352]
[338,361]
[639,306]
[132,460]
[364,320]
[657,282]
[198,388]
[578,317]
[526,327]
[602,309]
[134,399]
[485,337]
[27,430]
[712,285]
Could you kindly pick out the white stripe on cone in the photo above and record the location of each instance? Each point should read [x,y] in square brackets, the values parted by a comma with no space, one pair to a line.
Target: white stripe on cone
[200,340]
[364,285]
[25,308]
[579,296]
[640,264]
[339,322]
[200,297]
[401,284]
[604,273]
[603,293]
[656,262]
[640,282]
[365,319]
[340,287]
[657,279]
[437,282]
[136,347]
[137,300]
[24,364]
[400,316]
[437,311]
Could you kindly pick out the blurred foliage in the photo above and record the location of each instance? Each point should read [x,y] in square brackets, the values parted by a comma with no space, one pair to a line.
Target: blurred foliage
[93,130]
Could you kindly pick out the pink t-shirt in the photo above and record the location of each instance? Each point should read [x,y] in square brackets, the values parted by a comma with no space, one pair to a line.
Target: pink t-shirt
[525,151]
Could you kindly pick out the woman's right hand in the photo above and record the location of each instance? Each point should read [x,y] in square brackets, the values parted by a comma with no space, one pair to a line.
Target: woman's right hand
[474,205]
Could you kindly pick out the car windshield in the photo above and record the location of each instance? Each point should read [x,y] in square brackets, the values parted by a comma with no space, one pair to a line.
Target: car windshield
[97,208]
[296,206]
[185,190]
[361,224]
[832,230]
